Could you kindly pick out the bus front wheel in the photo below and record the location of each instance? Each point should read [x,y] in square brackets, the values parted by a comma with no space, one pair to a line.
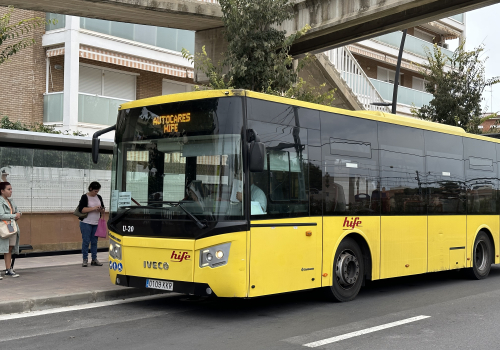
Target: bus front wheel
[482,257]
[348,271]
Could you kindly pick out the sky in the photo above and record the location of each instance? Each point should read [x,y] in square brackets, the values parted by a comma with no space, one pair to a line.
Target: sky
[482,27]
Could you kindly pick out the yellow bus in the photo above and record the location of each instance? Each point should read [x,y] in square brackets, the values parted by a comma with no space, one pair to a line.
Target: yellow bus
[241,194]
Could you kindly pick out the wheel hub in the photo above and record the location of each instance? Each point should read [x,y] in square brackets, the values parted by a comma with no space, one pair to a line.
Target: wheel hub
[347,269]
[481,255]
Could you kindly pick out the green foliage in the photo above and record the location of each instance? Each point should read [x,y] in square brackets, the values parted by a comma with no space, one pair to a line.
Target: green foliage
[457,90]
[12,34]
[257,54]
[6,123]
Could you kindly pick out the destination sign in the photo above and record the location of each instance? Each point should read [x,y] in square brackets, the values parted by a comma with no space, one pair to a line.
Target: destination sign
[171,122]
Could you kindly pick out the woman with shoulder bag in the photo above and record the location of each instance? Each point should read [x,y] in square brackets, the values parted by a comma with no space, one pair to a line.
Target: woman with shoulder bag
[90,203]
[8,212]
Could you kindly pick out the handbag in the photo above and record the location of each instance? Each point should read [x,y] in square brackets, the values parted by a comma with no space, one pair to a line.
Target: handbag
[79,214]
[102,230]
[8,229]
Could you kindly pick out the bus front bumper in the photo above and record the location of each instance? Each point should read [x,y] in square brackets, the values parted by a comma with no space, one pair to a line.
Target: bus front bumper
[194,288]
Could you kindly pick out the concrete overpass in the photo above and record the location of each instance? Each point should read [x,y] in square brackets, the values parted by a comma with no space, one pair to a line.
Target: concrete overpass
[334,22]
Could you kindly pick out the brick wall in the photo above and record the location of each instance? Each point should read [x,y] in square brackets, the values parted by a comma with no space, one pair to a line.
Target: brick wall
[22,78]
[487,125]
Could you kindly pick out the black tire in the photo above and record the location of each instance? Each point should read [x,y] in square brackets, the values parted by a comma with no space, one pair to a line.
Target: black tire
[481,258]
[348,271]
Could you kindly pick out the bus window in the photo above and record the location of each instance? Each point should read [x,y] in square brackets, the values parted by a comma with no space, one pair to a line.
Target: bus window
[446,186]
[350,187]
[403,183]
[401,139]
[351,180]
[284,180]
[481,176]
[442,145]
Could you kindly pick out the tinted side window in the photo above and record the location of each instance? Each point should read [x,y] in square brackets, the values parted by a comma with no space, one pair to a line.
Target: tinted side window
[350,183]
[443,145]
[446,186]
[282,114]
[401,139]
[402,184]
[481,176]
[315,174]
[402,170]
[284,182]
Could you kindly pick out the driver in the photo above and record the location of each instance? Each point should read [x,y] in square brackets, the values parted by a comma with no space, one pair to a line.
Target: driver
[194,193]
[256,195]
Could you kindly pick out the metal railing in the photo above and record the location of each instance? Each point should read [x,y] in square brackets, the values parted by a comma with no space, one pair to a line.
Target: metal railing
[356,79]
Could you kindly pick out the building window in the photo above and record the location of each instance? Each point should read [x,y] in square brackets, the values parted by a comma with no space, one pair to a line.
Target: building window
[108,83]
[388,75]
[418,84]
[175,87]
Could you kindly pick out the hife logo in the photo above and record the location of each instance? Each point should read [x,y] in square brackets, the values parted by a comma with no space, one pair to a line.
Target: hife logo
[180,256]
[353,223]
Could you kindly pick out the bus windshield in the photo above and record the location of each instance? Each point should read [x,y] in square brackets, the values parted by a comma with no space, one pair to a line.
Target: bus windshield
[176,167]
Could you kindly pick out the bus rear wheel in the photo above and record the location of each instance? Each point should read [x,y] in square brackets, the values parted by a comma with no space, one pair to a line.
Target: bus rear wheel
[348,271]
[482,257]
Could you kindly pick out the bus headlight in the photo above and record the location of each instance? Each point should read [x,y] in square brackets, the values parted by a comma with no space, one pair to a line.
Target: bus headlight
[115,250]
[220,252]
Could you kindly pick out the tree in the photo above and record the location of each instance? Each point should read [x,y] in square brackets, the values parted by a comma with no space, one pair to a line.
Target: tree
[11,35]
[457,89]
[257,53]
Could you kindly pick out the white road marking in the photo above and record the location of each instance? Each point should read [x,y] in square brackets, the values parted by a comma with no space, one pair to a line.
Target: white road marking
[364,331]
[79,307]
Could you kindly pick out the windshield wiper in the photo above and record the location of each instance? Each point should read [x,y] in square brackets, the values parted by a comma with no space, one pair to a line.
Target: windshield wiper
[178,204]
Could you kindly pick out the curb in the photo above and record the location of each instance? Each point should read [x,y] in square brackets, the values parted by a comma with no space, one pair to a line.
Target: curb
[37,304]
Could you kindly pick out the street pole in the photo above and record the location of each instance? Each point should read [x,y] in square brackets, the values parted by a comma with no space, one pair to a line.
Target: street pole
[398,68]
[396,78]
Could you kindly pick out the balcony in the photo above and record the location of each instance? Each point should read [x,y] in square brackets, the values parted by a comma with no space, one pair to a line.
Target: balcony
[406,96]
[95,109]
[53,107]
[412,44]
[166,38]
[59,19]
[92,109]
[458,18]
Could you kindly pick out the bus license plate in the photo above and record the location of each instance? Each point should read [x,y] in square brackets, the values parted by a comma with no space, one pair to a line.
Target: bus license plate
[156,284]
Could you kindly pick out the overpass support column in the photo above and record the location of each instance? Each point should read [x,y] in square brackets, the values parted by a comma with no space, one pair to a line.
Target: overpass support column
[215,45]
[71,73]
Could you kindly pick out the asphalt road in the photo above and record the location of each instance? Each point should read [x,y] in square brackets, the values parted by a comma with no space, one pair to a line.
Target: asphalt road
[456,313]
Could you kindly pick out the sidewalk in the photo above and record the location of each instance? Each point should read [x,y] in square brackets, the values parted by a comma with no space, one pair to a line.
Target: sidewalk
[56,281]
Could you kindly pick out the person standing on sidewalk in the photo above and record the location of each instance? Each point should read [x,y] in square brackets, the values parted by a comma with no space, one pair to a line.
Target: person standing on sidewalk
[8,212]
[92,204]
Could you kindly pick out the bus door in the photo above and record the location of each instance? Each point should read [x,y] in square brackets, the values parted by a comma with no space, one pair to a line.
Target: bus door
[285,242]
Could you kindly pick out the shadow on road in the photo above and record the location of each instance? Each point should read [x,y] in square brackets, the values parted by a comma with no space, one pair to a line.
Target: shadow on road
[390,295]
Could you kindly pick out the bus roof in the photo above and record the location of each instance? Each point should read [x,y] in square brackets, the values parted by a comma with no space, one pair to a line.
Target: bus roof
[373,115]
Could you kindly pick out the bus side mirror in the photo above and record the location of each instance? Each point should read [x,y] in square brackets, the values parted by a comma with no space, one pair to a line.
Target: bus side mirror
[95,149]
[257,155]
[96,142]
